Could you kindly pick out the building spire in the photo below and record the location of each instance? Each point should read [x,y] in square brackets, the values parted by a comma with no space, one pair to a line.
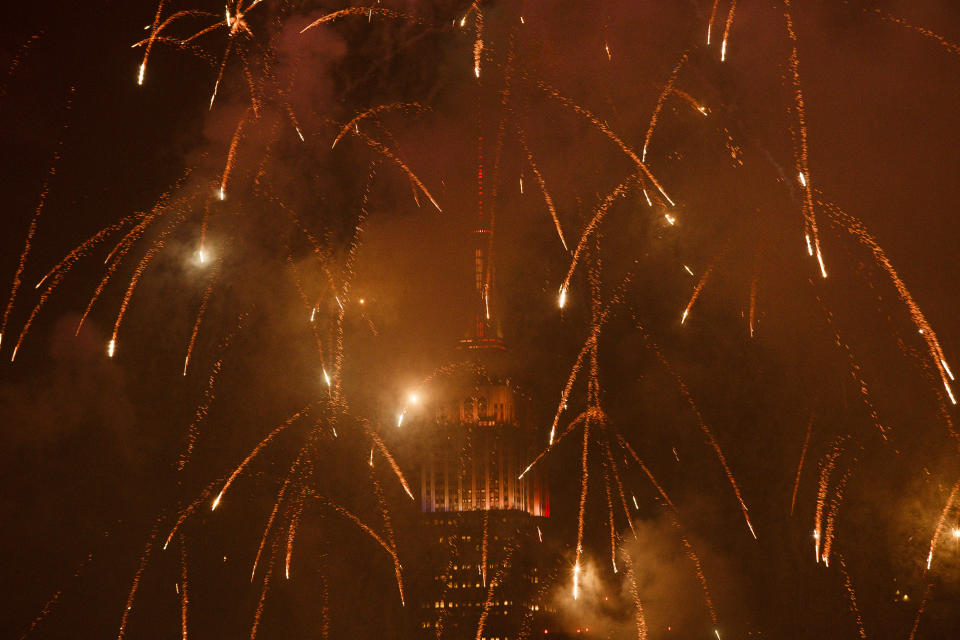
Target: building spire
[484,330]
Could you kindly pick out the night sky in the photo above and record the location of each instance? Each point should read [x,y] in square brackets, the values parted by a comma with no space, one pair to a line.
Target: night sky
[777,361]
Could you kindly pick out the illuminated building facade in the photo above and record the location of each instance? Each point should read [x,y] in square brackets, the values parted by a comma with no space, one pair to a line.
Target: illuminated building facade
[483,523]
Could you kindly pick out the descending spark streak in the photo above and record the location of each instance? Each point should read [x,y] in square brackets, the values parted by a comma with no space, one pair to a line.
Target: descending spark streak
[478,40]
[610,522]
[263,595]
[361,11]
[375,111]
[698,289]
[639,618]
[389,457]
[608,132]
[32,229]
[153,35]
[803,455]
[381,148]
[204,301]
[852,596]
[49,604]
[616,477]
[184,586]
[754,282]
[138,273]
[257,449]
[667,89]
[231,154]
[373,534]
[494,583]
[620,190]
[943,42]
[483,546]
[543,189]
[688,548]
[855,371]
[118,252]
[713,15]
[826,468]
[835,501]
[800,142]
[587,347]
[55,276]
[940,522]
[216,85]
[726,30]
[693,101]
[584,476]
[135,585]
[856,228]
[703,428]
[920,610]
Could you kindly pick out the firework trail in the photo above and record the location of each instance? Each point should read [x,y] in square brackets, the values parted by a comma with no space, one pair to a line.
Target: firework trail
[713,15]
[154,31]
[693,101]
[116,255]
[543,189]
[608,132]
[667,89]
[856,228]
[296,515]
[484,545]
[362,11]
[941,521]
[613,529]
[616,476]
[800,146]
[373,534]
[158,244]
[204,301]
[920,609]
[59,271]
[754,281]
[663,494]
[803,456]
[886,17]
[184,586]
[382,149]
[389,458]
[712,441]
[620,190]
[494,583]
[17,59]
[726,30]
[263,595]
[639,618]
[852,596]
[697,289]
[478,38]
[855,372]
[257,449]
[32,229]
[232,154]
[584,476]
[835,502]
[132,594]
[376,111]
[826,468]
[687,547]
[55,598]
